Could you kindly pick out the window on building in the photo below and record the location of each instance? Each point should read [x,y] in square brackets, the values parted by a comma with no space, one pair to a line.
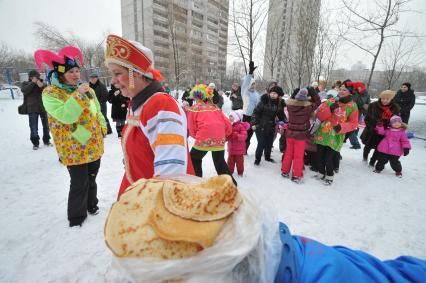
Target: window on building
[197,24]
[161,24]
[213,21]
[212,29]
[161,34]
[197,16]
[211,37]
[196,33]
[198,5]
[161,2]
[161,44]
[212,54]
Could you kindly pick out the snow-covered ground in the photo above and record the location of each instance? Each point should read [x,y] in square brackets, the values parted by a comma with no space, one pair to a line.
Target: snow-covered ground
[379,214]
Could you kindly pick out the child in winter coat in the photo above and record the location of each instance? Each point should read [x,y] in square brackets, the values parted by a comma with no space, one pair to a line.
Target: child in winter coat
[394,144]
[237,142]
[267,112]
[299,112]
[337,118]
[210,128]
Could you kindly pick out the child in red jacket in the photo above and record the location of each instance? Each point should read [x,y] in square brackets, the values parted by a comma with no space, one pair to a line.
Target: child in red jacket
[236,142]
[210,128]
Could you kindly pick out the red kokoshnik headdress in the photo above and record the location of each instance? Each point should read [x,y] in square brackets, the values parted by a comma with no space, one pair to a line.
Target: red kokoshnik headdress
[133,56]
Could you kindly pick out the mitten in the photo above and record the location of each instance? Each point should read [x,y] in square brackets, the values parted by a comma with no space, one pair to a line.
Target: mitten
[406,151]
[337,128]
[251,67]
[334,106]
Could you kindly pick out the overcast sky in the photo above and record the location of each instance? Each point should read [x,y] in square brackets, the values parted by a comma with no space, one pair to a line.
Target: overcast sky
[91,19]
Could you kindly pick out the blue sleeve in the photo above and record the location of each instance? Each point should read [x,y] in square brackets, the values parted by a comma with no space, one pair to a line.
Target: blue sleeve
[246,84]
[315,262]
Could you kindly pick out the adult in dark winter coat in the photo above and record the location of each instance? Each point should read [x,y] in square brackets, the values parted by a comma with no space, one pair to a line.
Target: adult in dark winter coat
[235,97]
[406,99]
[118,109]
[378,112]
[102,95]
[217,98]
[32,95]
[263,121]
[361,97]
[185,97]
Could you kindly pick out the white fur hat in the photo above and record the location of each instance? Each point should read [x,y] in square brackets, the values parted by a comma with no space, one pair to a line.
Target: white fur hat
[237,115]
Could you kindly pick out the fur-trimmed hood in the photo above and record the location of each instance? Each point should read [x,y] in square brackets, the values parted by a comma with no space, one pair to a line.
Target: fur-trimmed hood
[294,102]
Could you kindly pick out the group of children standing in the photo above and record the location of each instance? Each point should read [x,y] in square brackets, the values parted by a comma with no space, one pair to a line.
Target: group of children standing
[313,128]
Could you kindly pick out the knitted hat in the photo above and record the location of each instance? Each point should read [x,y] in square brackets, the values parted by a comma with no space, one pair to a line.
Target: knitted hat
[347,84]
[212,85]
[93,75]
[332,93]
[277,90]
[395,119]
[201,91]
[302,94]
[133,56]
[314,84]
[389,94]
[33,73]
[237,115]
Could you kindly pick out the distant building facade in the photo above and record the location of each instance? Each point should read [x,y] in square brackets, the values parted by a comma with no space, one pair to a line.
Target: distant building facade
[290,41]
[189,38]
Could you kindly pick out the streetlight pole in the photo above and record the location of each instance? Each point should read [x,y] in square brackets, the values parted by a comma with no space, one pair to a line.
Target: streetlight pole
[9,80]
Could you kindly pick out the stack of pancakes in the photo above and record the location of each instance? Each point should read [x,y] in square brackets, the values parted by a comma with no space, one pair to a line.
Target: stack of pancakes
[168,219]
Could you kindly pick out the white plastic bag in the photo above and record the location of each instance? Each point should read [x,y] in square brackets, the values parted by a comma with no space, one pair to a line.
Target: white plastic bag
[240,236]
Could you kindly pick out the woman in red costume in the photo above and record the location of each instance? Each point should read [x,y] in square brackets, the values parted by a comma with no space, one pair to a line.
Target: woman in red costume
[154,140]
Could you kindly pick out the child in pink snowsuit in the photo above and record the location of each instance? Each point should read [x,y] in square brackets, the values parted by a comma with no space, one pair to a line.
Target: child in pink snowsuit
[393,145]
[236,142]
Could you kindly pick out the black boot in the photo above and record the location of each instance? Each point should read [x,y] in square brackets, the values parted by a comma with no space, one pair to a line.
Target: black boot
[93,210]
[77,221]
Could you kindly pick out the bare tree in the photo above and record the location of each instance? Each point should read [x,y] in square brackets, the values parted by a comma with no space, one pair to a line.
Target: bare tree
[326,48]
[247,19]
[53,39]
[272,48]
[177,28]
[6,57]
[375,24]
[396,59]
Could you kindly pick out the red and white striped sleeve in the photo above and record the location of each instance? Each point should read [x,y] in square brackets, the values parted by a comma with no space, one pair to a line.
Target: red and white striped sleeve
[164,123]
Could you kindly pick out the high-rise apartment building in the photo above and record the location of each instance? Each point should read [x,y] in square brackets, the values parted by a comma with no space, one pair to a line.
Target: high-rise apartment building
[290,41]
[189,38]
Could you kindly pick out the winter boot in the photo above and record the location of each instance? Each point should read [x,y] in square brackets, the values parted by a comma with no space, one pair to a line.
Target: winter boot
[285,175]
[328,180]
[257,162]
[35,147]
[93,210]
[398,174]
[297,180]
[270,160]
[319,176]
[77,221]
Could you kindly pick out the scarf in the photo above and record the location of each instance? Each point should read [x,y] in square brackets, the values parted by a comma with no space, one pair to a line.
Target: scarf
[386,112]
